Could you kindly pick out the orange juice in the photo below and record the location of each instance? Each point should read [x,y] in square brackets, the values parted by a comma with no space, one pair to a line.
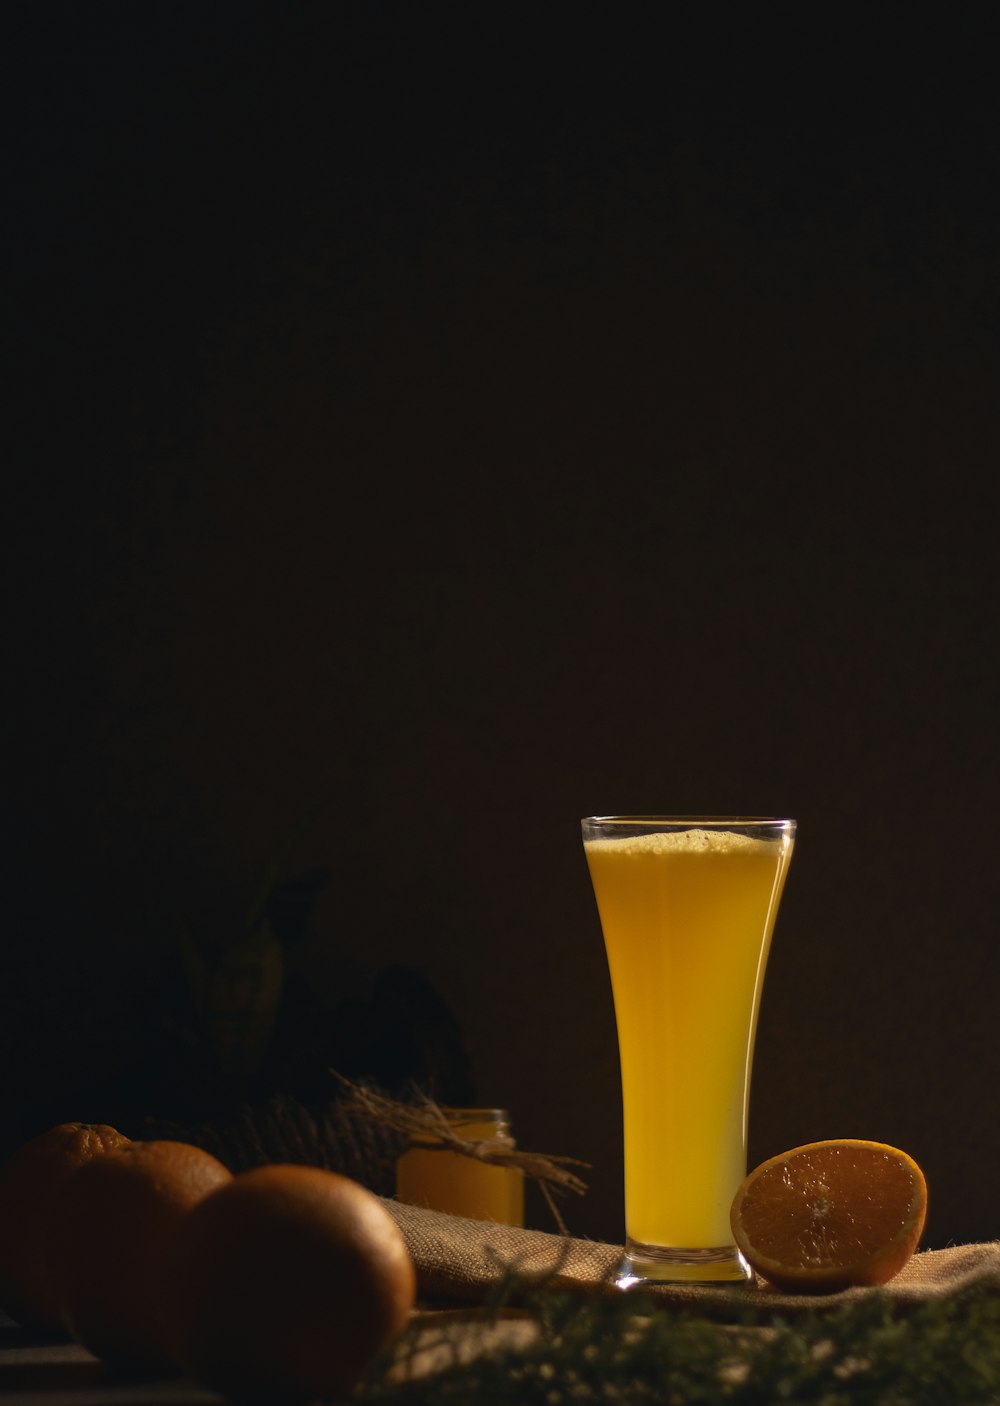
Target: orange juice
[687,916]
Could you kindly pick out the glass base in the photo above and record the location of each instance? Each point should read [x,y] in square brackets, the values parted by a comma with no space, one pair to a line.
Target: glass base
[668,1264]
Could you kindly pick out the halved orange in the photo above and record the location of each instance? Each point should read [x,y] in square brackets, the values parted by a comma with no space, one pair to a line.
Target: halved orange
[829,1215]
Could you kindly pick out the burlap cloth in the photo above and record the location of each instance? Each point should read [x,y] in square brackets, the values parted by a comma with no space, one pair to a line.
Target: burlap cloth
[462,1261]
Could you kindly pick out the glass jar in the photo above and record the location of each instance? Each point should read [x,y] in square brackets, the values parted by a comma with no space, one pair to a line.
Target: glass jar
[442,1180]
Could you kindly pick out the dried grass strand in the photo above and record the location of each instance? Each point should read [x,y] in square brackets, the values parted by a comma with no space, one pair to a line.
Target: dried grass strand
[427,1123]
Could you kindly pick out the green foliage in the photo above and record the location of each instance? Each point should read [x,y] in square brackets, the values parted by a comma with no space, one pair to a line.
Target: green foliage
[623,1350]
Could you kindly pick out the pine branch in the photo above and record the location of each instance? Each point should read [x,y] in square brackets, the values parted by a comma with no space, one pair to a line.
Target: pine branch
[621,1348]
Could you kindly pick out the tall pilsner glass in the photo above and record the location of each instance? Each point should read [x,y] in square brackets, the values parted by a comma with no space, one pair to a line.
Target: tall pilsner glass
[687,908]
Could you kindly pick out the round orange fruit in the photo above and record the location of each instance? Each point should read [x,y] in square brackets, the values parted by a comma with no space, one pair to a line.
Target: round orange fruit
[31,1183]
[287,1282]
[118,1216]
[830,1215]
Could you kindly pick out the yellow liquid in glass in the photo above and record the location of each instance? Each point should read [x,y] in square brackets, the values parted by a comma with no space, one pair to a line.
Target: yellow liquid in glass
[687,920]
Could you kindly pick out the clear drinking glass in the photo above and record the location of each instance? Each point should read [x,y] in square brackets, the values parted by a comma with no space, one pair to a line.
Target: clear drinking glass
[687,908]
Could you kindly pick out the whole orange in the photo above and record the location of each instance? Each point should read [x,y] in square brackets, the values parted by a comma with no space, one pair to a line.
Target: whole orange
[287,1282]
[31,1183]
[117,1218]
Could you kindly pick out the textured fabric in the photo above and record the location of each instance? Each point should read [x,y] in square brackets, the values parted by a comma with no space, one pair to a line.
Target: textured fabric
[461,1261]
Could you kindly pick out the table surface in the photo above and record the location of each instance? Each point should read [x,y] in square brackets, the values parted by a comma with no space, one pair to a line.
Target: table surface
[50,1372]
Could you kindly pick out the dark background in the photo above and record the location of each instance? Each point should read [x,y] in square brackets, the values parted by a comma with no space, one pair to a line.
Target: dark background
[431,424]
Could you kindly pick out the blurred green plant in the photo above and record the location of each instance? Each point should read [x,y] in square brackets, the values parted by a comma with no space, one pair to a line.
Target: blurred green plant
[598,1348]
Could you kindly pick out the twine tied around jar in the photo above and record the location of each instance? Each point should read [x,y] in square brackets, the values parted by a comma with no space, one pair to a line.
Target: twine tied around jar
[427,1123]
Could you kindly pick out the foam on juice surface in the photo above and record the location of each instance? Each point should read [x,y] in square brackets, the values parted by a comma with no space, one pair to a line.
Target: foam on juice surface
[680,842]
